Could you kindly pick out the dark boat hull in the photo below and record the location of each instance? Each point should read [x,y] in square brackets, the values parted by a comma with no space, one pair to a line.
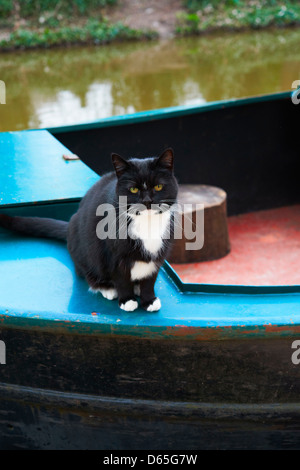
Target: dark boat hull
[96,392]
[41,420]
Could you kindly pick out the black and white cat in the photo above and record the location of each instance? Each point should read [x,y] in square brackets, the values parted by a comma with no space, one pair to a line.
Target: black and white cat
[118,267]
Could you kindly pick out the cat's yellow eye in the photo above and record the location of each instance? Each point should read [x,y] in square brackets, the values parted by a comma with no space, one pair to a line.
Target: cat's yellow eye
[158,187]
[133,190]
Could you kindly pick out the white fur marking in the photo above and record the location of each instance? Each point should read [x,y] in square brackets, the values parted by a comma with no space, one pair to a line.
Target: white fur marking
[156,304]
[142,270]
[150,226]
[129,306]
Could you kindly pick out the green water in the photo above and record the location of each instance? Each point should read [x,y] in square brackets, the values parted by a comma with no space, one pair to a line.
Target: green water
[68,86]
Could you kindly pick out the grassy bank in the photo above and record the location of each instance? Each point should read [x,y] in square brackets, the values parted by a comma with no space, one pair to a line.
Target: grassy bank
[34,24]
[92,32]
[234,15]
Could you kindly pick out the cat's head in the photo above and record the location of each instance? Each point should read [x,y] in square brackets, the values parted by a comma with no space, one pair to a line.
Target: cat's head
[149,182]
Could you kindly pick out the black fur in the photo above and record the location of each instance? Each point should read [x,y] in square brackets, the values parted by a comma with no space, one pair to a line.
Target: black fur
[36,226]
[108,262]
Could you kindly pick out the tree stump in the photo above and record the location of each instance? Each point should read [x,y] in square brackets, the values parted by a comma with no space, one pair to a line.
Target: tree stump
[214,233]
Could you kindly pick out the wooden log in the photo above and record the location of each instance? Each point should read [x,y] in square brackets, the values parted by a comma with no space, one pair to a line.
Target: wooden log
[216,238]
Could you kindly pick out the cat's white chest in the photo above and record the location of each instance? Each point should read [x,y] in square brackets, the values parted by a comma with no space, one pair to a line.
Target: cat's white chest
[142,270]
[150,228]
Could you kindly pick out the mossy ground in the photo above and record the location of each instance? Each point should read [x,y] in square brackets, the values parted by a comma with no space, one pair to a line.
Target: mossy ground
[234,15]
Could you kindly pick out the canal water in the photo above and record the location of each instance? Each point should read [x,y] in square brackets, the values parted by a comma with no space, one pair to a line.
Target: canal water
[69,86]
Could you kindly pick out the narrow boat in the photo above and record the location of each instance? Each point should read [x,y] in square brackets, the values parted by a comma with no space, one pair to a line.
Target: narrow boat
[217,367]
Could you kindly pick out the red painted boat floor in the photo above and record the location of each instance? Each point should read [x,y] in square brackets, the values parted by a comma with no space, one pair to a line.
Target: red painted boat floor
[265,250]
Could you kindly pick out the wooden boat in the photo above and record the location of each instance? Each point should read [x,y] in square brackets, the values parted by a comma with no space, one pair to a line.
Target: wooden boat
[217,366]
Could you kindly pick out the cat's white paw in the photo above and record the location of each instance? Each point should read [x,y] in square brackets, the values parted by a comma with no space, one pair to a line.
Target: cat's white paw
[108,292]
[156,304]
[129,306]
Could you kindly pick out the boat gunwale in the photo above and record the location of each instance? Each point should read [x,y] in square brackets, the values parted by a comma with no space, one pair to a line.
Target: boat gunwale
[169,112]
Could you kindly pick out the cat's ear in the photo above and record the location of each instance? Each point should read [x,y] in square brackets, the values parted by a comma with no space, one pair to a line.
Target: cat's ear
[119,163]
[166,159]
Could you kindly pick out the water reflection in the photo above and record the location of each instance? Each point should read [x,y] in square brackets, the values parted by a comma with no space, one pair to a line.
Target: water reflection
[83,84]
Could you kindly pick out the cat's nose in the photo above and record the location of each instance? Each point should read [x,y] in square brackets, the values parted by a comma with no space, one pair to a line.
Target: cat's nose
[147,201]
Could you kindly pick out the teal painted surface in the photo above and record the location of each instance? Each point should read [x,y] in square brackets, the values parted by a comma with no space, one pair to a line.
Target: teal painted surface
[39,288]
[33,170]
[166,113]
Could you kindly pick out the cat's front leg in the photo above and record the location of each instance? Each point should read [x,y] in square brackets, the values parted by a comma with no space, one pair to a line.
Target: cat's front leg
[149,301]
[126,296]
